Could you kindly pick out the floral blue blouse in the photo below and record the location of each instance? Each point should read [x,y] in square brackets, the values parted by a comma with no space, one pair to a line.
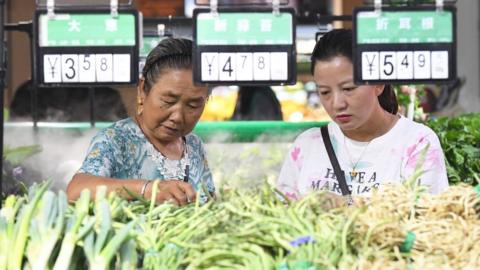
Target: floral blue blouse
[122,151]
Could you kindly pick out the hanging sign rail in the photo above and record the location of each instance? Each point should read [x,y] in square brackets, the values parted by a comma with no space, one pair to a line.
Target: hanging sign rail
[244,47]
[405,45]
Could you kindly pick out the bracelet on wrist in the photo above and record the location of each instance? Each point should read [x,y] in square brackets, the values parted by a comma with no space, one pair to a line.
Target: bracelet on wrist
[144,188]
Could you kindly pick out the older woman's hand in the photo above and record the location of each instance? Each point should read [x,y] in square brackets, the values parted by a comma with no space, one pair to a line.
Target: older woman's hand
[175,191]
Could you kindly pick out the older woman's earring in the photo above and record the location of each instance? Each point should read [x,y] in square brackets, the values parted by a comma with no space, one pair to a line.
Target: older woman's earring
[140,108]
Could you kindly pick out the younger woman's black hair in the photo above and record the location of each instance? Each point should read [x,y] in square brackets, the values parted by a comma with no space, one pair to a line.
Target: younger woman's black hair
[170,53]
[338,42]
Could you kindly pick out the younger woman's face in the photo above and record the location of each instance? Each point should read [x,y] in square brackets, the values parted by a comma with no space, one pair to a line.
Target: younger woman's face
[348,104]
[173,106]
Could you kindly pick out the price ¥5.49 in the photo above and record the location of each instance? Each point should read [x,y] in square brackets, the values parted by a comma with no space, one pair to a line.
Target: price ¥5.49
[404,65]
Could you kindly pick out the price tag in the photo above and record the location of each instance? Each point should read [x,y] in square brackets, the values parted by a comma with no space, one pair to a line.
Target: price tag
[210,66]
[228,68]
[421,65]
[121,67]
[388,65]
[87,48]
[404,45]
[69,68]
[244,47]
[404,65]
[370,65]
[87,65]
[104,67]
[440,64]
[279,66]
[244,66]
[52,68]
[261,66]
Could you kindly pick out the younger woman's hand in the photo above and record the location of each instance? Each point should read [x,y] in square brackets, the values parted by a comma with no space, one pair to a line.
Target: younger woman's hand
[332,200]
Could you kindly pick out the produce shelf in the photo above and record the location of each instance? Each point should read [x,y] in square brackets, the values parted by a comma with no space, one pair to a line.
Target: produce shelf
[209,131]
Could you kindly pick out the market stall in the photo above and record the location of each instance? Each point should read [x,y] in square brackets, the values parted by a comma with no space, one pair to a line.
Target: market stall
[248,222]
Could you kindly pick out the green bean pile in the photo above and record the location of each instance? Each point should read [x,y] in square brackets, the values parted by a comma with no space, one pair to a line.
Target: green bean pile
[396,228]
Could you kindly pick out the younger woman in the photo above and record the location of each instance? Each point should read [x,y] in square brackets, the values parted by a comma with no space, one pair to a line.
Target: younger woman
[372,143]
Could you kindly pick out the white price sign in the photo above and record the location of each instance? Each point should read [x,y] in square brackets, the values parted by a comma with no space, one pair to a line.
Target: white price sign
[244,66]
[69,68]
[421,65]
[73,68]
[228,69]
[404,45]
[278,64]
[121,72]
[405,65]
[104,68]
[439,64]
[388,69]
[210,66]
[261,66]
[370,65]
[87,67]
[244,47]
[52,68]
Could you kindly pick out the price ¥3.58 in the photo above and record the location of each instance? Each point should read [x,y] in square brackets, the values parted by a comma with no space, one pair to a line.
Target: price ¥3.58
[72,68]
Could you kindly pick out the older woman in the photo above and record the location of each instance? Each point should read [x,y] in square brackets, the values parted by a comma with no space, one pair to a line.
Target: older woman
[157,144]
[372,143]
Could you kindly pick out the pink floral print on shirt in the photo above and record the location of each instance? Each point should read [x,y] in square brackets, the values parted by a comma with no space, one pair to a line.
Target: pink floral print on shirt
[414,152]
[296,155]
[291,195]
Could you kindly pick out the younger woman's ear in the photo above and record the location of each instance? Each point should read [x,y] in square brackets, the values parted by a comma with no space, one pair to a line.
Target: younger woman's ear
[379,89]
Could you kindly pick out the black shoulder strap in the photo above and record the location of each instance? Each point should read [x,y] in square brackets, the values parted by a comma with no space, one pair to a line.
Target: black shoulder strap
[333,159]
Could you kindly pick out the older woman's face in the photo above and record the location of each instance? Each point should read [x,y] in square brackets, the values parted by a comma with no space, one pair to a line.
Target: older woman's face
[349,105]
[173,106]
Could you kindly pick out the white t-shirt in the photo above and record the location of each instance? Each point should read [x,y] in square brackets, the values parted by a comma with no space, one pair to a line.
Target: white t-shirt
[391,157]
